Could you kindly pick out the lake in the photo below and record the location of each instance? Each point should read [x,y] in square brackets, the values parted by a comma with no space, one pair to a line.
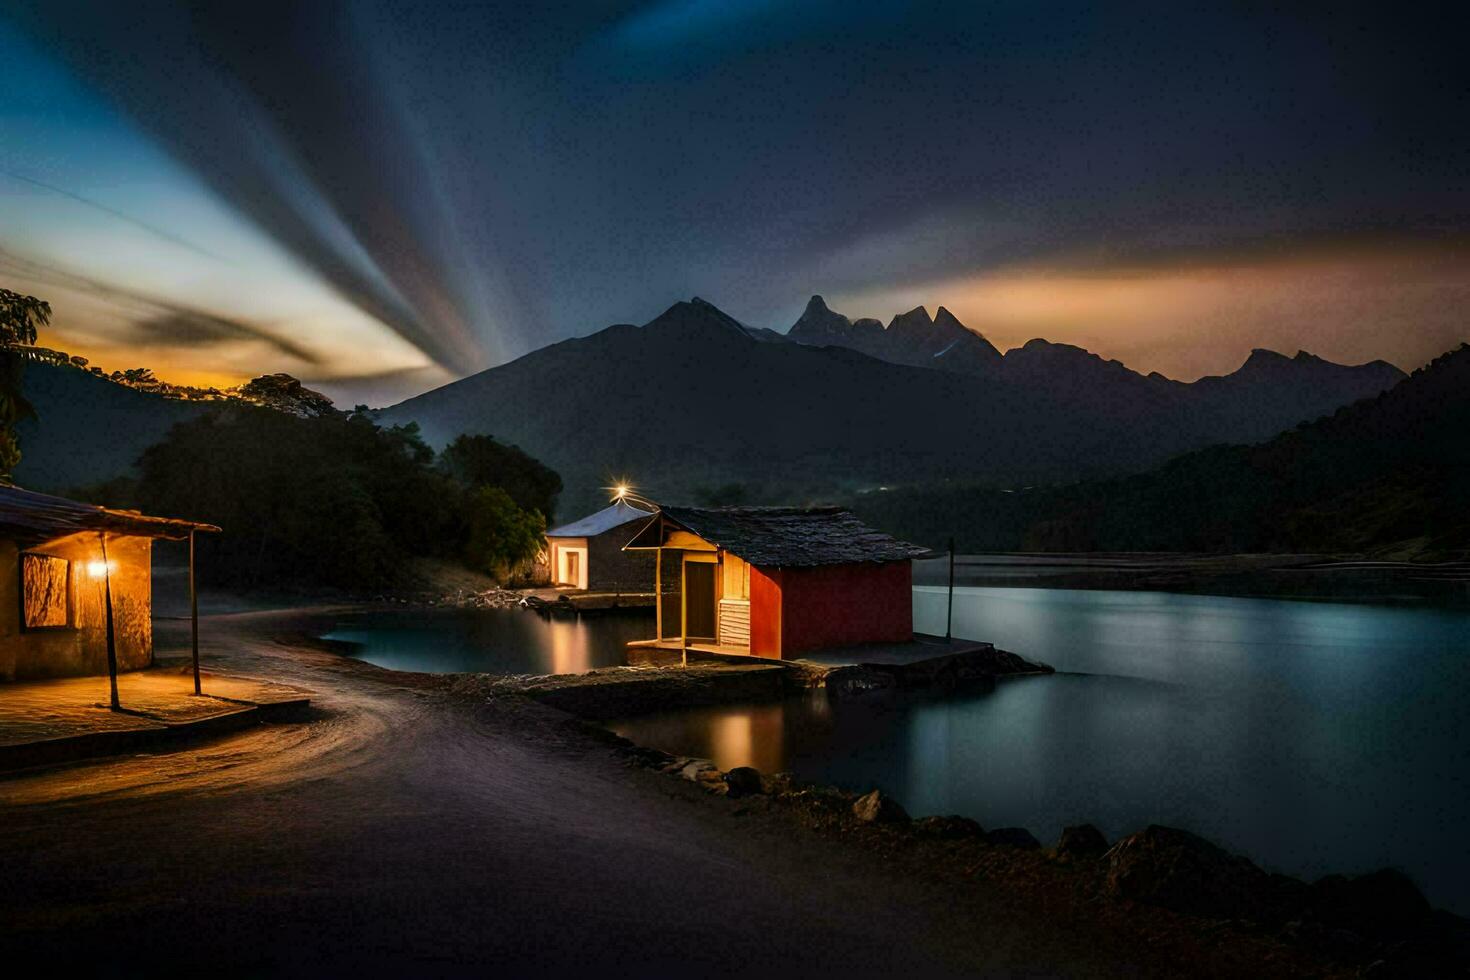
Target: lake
[494,641]
[1312,737]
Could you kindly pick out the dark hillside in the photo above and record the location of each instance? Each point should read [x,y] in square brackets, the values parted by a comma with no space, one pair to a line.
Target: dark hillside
[1388,476]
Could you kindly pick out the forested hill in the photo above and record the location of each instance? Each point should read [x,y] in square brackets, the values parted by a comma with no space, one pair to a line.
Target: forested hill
[1388,476]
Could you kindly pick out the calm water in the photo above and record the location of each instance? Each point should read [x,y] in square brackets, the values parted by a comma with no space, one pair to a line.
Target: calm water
[494,641]
[1312,737]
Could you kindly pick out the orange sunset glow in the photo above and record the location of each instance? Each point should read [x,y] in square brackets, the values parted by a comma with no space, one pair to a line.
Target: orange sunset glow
[1200,315]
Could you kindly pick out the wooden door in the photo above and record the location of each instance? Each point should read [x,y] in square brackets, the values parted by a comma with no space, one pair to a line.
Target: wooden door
[699,581]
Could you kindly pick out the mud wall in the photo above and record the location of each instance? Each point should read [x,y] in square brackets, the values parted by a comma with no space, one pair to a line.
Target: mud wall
[80,646]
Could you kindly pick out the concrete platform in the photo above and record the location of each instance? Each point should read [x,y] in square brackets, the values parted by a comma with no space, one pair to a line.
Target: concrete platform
[921,662]
[575,600]
[921,648]
[669,650]
[44,722]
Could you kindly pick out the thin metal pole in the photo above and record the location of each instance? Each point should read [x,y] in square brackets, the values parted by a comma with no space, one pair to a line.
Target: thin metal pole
[111,634]
[193,613]
[949,610]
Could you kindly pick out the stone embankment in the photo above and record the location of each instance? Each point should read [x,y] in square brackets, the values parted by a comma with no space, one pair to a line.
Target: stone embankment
[1376,924]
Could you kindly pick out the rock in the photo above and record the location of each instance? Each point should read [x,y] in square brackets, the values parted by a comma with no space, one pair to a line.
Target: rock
[878,808]
[857,680]
[1177,870]
[744,781]
[1081,841]
[691,770]
[777,783]
[711,780]
[948,828]
[285,394]
[1013,837]
[1383,903]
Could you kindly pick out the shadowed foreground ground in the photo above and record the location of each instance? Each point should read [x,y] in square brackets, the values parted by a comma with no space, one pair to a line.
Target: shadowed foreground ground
[407,830]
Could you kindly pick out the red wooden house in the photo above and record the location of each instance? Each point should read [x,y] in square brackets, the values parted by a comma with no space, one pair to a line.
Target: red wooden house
[776,581]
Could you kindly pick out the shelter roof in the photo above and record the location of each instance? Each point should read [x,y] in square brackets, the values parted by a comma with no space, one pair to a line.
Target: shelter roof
[27,515]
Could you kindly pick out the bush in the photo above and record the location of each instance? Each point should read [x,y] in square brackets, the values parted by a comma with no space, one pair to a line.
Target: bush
[501,537]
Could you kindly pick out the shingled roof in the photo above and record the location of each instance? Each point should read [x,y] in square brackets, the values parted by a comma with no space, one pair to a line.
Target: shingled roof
[792,537]
[29,516]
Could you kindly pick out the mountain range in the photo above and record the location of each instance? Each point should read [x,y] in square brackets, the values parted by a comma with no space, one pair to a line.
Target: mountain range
[694,401]
[695,405]
[1267,392]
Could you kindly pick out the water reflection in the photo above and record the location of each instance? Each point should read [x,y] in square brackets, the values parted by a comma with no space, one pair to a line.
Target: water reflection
[497,641]
[1313,737]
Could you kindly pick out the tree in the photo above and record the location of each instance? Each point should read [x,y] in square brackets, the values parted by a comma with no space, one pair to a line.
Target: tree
[500,535]
[481,461]
[335,500]
[303,501]
[20,316]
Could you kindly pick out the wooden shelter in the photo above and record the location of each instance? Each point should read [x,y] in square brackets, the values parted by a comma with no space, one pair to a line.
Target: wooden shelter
[77,586]
[777,581]
[588,554]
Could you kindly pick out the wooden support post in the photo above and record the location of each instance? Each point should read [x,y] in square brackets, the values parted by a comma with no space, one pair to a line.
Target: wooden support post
[683,609]
[658,594]
[193,613]
[949,610]
[111,632]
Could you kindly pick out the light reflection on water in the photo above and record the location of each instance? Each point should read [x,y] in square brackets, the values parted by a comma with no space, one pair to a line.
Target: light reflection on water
[495,641]
[1313,737]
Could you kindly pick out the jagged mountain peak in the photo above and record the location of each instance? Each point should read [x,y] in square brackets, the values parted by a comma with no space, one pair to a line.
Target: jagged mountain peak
[912,338]
[697,314]
[916,317]
[819,324]
[943,315]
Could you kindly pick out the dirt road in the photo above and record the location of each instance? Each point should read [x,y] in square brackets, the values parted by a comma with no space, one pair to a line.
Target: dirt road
[405,830]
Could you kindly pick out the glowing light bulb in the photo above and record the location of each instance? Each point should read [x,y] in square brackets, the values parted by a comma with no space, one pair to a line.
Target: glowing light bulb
[96,569]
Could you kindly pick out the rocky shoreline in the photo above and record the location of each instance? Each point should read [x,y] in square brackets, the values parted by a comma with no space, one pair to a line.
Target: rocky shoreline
[1376,924]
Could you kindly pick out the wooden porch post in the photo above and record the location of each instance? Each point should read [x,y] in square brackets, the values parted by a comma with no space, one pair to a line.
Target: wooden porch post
[658,594]
[111,634]
[193,613]
[683,609]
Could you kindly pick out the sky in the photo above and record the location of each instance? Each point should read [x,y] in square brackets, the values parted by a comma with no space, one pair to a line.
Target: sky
[379,197]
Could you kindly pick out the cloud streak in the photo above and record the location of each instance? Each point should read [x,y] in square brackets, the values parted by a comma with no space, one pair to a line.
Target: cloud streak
[160,233]
[153,319]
